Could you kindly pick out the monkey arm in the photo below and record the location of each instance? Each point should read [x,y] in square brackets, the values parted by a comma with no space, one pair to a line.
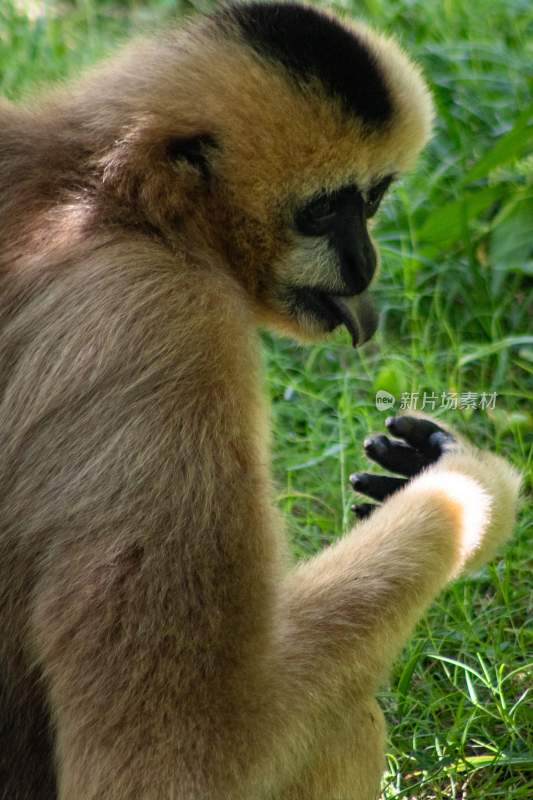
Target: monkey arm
[364,594]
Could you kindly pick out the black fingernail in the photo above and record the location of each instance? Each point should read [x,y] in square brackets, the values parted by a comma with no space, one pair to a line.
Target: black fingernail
[378,443]
[391,423]
[357,479]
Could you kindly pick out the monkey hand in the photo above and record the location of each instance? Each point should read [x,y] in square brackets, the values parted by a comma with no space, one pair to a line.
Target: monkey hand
[424,442]
[487,483]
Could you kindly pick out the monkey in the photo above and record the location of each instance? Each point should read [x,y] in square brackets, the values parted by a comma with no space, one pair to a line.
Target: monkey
[157,212]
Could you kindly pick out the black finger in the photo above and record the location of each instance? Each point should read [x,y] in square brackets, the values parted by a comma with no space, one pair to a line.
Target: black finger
[378,487]
[421,434]
[441,440]
[395,456]
[363,510]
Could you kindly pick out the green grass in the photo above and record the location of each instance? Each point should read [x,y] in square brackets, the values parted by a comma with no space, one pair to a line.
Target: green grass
[456,301]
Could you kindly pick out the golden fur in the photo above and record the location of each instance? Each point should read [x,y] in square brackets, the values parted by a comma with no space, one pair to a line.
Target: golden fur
[156,643]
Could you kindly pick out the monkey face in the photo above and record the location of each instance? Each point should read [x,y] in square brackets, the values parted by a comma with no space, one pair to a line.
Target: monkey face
[315,274]
[332,262]
[309,261]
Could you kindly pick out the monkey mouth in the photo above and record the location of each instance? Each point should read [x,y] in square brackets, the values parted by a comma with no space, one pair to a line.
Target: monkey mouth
[355,312]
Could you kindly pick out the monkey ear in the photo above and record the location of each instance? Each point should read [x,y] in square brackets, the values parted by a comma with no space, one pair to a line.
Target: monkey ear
[193,149]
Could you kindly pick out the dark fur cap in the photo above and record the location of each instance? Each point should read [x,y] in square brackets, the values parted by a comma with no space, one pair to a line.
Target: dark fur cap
[313,45]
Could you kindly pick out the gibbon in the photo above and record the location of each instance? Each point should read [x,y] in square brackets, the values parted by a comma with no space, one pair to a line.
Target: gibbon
[157,644]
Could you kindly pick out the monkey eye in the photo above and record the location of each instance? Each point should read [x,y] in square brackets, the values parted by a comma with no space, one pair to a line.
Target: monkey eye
[375,196]
[315,218]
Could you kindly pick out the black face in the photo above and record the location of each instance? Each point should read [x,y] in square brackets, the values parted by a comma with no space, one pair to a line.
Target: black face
[342,216]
